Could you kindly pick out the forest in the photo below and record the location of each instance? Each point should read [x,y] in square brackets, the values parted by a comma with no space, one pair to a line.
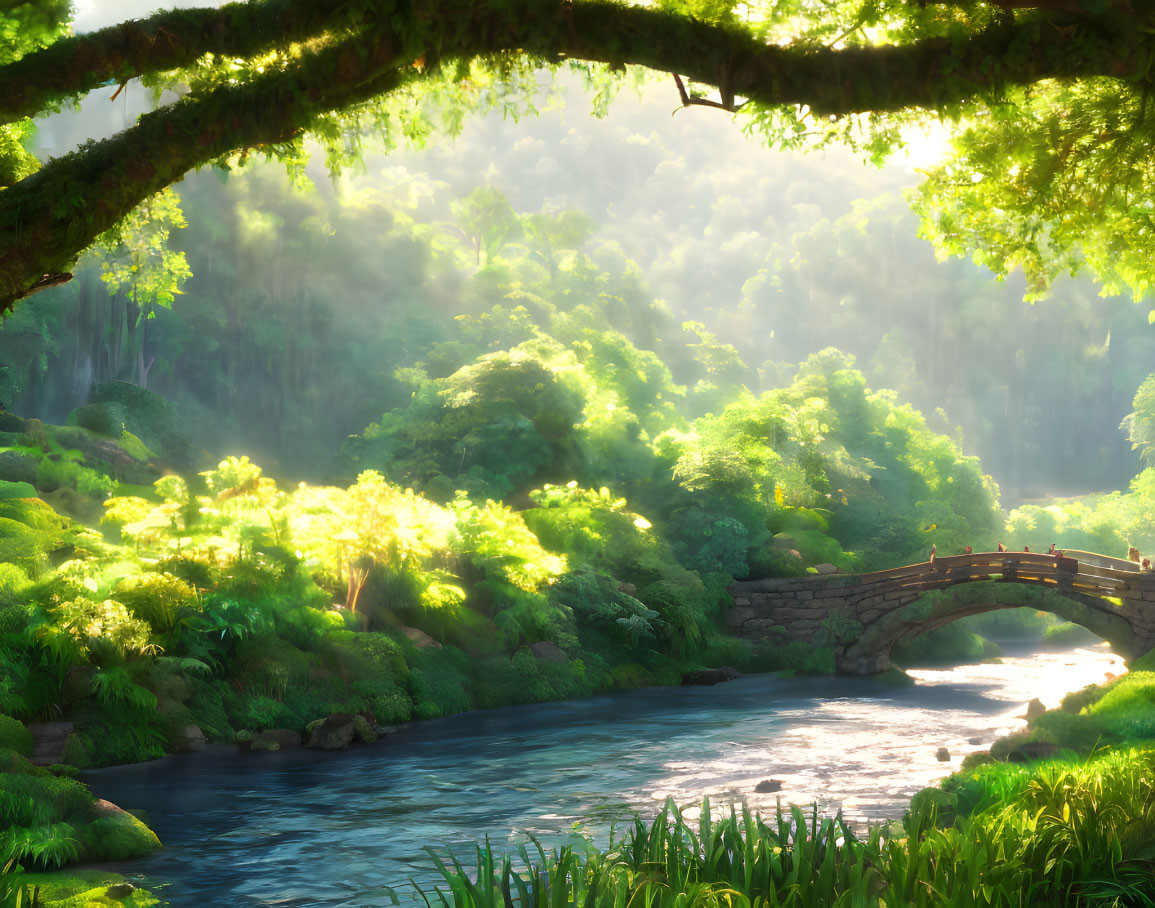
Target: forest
[435,394]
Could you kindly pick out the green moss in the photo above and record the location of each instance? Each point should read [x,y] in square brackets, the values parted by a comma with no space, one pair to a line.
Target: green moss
[134,447]
[629,675]
[1069,634]
[85,889]
[14,736]
[9,490]
[1144,663]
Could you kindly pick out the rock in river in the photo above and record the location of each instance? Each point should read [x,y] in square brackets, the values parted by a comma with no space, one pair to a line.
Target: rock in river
[708,676]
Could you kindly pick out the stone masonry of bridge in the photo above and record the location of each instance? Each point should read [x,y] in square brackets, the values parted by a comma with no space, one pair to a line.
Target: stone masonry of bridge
[860,616]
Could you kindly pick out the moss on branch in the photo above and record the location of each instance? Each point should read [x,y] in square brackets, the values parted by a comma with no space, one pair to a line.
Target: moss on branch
[47,219]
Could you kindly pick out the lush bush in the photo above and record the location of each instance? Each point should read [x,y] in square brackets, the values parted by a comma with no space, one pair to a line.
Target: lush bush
[14,736]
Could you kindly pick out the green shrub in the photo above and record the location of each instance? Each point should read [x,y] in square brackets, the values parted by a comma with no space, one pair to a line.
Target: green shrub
[46,846]
[630,675]
[114,736]
[159,599]
[387,702]
[439,683]
[14,736]
[37,800]
[208,704]
[725,650]
[12,762]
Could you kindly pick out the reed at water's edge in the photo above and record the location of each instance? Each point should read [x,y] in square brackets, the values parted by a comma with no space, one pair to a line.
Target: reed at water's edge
[1064,833]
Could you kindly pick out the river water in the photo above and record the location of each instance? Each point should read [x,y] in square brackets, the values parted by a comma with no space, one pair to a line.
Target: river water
[350,829]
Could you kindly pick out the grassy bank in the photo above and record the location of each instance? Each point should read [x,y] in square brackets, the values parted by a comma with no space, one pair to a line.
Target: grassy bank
[1074,829]
[1059,834]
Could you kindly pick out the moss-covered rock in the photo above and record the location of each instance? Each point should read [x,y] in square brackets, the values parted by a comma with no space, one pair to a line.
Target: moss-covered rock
[112,834]
[18,466]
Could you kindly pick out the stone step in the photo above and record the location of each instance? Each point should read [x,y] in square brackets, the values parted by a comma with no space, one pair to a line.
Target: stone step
[49,738]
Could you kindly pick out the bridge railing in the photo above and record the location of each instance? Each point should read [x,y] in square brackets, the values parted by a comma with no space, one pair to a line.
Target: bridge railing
[953,569]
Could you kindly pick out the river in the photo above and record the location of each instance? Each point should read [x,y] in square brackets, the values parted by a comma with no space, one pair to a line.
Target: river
[349,829]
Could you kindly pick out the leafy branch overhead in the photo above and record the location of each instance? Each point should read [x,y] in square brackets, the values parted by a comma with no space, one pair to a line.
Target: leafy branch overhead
[264,74]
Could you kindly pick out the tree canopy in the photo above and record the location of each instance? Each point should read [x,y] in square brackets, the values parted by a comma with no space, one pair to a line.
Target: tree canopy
[1054,92]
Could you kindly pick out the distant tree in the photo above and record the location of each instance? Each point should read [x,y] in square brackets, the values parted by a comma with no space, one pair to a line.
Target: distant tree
[1140,423]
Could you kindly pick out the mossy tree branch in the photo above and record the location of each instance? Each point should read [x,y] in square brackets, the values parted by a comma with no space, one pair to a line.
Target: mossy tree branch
[47,219]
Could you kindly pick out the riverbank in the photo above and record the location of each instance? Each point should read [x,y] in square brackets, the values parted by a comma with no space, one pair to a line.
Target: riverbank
[350,828]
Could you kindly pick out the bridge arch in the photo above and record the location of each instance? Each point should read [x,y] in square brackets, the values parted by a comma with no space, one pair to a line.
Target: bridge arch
[861,616]
[932,610]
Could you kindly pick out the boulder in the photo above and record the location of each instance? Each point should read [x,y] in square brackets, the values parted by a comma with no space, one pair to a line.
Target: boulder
[17,467]
[187,738]
[331,733]
[827,568]
[705,677]
[275,739]
[1030,751]
[547,652]
[118,891]
[768,786]
[113,834]
[1035,709]
[78,683]
[942,755]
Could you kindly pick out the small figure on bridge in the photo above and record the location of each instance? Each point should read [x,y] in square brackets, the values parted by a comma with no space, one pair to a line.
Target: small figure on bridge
[1026,548]
[1133,554]
[1002,548]
[968,550]
[1145,564]
[1051,550]
[933,549]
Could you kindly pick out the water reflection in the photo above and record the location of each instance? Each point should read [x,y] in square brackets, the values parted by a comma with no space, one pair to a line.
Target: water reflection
[303,829]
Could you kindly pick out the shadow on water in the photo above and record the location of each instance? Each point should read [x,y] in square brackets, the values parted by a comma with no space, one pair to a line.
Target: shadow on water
[303,828]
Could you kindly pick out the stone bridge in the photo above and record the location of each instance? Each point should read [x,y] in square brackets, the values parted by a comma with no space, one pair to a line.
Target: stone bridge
[861,616]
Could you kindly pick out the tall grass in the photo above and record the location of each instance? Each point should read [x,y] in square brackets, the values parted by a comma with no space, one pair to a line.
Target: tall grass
[1063,835]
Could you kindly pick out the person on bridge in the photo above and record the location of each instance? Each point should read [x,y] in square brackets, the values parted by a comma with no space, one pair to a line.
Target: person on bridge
[1051,550]
[1002,548]
[933,549]
[1026,548]
[968,550]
